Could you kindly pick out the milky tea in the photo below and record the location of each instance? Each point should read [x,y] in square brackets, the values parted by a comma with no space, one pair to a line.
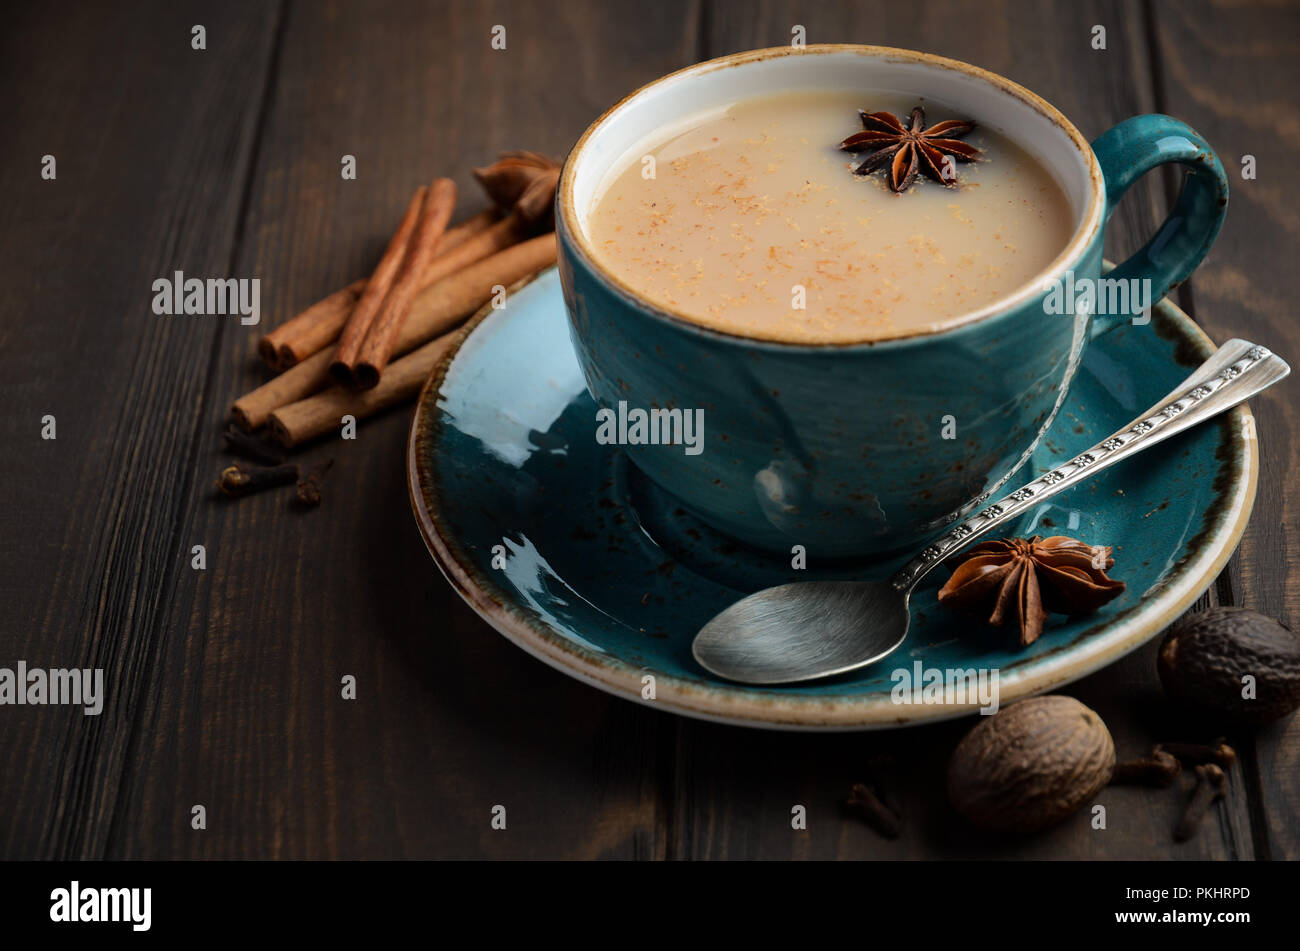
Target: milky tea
[750,221]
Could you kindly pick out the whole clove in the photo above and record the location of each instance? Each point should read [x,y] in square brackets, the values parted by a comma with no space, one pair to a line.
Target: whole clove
[873,810]
[309,487]
[1219,752]
[1158,768]
[244,444]
[240,480]
[1211,785]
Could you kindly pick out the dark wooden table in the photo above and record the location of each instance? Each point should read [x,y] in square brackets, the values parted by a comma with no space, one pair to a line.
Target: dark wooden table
[223,684]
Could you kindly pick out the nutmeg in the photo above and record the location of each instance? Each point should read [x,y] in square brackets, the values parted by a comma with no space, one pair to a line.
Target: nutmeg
[1237,664]
[1030,765]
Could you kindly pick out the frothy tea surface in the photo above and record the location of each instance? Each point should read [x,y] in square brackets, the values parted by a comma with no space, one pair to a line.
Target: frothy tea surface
[752,212]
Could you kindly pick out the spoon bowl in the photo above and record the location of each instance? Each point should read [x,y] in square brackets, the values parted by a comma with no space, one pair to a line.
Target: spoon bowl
[774,635]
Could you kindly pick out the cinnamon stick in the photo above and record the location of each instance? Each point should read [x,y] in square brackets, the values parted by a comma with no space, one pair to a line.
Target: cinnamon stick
[280,347]
[443,305]
[317,415]
[435,310]
[376,289]
[379,342]
[376,338]
[308,419]
[363,370]
[252,409]
[496,237]
[319,325]
[520,182]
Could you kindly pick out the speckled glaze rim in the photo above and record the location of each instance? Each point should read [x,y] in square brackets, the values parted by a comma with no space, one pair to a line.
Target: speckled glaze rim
[576,242]
[722,702]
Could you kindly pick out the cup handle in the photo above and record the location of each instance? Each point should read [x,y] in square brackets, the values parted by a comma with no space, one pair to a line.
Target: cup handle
[1126,153]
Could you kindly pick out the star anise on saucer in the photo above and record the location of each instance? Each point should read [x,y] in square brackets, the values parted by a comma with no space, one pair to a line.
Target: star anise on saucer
[907,148]
[1025,578]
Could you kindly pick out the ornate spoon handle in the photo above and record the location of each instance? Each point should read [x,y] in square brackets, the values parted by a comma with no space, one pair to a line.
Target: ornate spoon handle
[1235,373]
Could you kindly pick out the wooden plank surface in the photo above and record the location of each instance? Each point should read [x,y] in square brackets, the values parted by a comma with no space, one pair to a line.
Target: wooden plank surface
[1235,70]
[153,152]
[450,719]
[225,683]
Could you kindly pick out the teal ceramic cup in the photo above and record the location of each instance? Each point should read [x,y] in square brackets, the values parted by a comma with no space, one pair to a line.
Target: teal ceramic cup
[840,448]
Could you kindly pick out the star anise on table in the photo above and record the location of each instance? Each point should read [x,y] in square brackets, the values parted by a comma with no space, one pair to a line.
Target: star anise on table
[1025,578]
[522,182]
[907,148]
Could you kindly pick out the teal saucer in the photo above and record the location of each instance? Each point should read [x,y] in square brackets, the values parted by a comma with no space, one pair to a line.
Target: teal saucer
[563,547]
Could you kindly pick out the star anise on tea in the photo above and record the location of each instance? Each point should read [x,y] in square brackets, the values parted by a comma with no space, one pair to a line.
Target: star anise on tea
[1023,579]
[905,149]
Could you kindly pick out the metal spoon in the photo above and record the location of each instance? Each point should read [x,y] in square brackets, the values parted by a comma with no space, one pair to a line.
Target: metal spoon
[814,629]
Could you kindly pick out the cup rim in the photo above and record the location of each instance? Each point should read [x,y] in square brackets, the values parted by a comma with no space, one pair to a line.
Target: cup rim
[579,246]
